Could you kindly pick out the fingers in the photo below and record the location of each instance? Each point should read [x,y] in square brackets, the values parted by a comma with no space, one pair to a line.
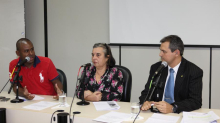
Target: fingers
[99,97]
[30,96]
[163,107]
[87,93]
[25,89]
[56,97]
[146,105]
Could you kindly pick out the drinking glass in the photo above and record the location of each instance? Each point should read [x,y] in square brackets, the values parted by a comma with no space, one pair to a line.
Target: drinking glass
[62,99]
[135,108]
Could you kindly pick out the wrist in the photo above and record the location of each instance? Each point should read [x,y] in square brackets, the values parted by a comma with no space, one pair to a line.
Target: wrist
[174,108]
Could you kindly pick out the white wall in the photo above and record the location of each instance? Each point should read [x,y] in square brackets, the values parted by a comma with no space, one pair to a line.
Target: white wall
[11,29]
[215,101]
[34,24]
[73,28]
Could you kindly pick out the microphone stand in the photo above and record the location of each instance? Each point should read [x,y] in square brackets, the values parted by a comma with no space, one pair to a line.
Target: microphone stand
[17,78]
[150,91]
[155,84]
[82,80]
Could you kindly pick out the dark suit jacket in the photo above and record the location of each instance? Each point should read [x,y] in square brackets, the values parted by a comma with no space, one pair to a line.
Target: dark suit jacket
[187,90]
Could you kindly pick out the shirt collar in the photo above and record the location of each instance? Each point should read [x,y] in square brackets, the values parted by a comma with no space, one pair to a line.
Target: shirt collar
[36,61]
[175,68]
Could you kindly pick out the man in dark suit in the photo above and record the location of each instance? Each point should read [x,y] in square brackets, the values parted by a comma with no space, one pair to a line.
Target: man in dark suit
[184,93]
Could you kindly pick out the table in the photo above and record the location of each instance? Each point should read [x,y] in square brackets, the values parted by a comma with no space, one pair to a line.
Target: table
[15,113]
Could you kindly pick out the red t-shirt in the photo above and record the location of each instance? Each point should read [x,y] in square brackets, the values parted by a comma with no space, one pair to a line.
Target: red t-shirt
[38,78]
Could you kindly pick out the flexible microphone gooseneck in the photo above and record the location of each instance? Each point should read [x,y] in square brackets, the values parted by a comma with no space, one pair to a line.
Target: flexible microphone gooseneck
[158,71]
[76,90]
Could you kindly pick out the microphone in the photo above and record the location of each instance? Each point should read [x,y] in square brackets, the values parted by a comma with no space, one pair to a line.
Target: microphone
[160,68]
[87,65]
[27,59]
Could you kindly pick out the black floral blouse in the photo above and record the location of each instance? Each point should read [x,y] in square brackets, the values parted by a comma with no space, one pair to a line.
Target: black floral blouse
[110,84]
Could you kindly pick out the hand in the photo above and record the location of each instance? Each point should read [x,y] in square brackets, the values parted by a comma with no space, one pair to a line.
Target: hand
[146,105]
[87,93]
[28,95]
[96,96]
[59,92]
[163,107]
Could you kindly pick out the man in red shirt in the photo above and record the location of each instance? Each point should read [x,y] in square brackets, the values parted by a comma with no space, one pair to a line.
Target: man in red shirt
[39,75]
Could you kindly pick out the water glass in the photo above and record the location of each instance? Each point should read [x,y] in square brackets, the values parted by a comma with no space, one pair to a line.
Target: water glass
[62,99]
[135,108]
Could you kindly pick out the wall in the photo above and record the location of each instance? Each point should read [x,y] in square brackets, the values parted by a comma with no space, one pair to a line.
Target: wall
[34,24]
[12,27]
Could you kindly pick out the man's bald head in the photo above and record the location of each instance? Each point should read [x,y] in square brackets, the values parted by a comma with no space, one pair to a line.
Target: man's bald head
[22,41]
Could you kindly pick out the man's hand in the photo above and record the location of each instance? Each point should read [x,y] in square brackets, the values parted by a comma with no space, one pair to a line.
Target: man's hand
[147,105]
[28,95]
[163,107]
[59,92]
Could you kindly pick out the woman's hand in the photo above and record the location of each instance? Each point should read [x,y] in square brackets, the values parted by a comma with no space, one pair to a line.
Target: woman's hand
[95,97]
[87,93]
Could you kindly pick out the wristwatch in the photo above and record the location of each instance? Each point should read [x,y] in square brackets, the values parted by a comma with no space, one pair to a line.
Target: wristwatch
[174,108]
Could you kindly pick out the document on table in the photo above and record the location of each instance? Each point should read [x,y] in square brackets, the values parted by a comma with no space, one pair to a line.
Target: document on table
[40,105]
[194,117]
[106,105]
[36,97]
[161,118]
[113,117]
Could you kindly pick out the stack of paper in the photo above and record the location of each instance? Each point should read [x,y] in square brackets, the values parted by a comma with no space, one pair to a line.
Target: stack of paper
[194,117]
[161,118]
[106,105]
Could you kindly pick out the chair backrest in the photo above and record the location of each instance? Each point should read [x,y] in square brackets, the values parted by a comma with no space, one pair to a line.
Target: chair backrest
[126,96]
[63,80]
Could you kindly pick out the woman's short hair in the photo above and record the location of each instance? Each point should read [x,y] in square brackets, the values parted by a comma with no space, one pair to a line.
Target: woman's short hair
[107,51]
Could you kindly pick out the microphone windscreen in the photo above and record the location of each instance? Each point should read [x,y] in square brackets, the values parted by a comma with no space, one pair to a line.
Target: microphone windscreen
[28,58]
[164,63]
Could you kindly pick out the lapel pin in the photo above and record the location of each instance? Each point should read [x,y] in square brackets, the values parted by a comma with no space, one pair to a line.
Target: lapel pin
[181,75]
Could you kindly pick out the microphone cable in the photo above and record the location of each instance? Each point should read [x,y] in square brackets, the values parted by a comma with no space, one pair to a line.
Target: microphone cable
[74,94]
[144,100]
[157,79]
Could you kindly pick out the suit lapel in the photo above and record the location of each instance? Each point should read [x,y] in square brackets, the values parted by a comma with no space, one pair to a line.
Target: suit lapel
[180,76]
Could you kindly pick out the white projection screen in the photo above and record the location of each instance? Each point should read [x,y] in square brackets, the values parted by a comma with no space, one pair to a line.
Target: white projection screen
[197,22]
[12,27]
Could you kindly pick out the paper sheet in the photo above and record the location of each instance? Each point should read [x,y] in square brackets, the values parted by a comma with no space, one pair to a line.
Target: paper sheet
[106,105]
[40,105]
[60,107]
[194,117]
[36,97]
[161,118]
[113,117]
